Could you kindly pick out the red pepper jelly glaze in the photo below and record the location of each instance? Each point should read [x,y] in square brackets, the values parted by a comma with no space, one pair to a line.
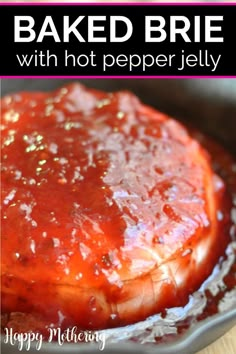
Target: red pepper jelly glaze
[111,211]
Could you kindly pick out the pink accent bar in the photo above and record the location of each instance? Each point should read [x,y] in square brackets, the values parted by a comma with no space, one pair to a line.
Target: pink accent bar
[120,3]
[118,77]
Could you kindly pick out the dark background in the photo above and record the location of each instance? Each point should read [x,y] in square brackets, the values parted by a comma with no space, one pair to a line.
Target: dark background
[9,65]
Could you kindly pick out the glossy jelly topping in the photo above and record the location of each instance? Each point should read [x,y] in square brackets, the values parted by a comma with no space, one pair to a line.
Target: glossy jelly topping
[111,211]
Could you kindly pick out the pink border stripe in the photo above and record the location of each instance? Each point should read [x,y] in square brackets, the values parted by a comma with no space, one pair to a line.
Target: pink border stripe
[119,3]
[119,77]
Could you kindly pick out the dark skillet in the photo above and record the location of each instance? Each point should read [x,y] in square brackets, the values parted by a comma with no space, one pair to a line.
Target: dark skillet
[208,105]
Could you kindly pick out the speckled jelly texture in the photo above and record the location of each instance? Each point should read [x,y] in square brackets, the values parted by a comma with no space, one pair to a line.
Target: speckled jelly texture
[91,183]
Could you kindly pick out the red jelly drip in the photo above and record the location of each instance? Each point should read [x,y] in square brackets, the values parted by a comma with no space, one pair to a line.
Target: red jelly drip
[95,185]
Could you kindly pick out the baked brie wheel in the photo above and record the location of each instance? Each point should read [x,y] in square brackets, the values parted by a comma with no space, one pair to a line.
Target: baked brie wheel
[111,211]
